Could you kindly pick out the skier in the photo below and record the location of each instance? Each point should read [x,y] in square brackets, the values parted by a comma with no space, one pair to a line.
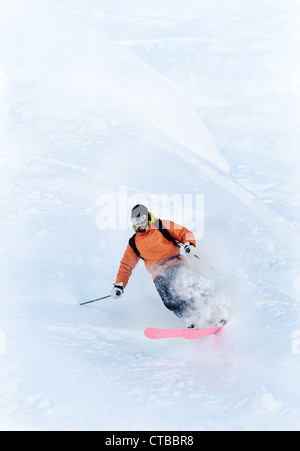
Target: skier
[157,243]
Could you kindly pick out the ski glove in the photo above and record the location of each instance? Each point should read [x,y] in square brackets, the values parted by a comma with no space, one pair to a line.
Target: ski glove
[117,291]
[189,249]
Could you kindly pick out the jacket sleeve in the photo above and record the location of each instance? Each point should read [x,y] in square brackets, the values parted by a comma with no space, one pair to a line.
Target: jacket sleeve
[180,233]
[127,265]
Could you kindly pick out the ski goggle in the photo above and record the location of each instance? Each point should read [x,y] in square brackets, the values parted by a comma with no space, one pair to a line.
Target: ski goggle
[136,220]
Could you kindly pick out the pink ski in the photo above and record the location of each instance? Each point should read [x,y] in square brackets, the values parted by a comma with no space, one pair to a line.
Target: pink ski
[189,334]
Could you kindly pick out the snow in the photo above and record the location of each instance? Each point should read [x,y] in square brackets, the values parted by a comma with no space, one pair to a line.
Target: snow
[193,108]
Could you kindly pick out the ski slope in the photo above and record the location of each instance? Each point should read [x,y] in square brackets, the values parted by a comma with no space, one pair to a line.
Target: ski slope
[106,104]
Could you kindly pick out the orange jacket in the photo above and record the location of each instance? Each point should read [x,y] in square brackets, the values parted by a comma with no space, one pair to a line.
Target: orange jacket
[155,249]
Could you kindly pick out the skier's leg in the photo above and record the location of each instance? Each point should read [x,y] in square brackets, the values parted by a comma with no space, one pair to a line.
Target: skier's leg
[164,284]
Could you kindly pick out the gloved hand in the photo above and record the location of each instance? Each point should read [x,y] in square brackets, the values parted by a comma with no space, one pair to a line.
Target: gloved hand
[189,249]
[117,291]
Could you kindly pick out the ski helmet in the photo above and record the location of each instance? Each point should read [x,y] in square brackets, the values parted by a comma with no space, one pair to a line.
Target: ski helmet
[139,214]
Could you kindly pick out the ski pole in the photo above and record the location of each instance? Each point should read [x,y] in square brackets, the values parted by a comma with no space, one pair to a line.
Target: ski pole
[95,300]
[210,267]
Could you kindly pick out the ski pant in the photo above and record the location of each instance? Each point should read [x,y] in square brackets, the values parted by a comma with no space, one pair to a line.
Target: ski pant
[166,287]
